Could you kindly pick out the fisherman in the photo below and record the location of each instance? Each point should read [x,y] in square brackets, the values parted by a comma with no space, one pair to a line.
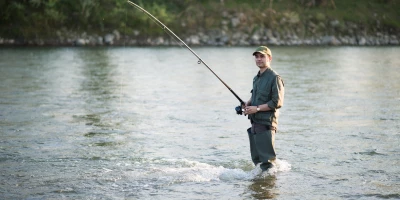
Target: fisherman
[263,109]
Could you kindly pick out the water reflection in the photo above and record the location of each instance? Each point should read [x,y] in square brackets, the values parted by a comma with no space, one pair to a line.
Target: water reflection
[263,188]
[98,86]
[98,73]
[97,93]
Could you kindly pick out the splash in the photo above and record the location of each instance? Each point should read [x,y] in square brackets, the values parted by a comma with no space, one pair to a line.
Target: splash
[179,171]
[280,166]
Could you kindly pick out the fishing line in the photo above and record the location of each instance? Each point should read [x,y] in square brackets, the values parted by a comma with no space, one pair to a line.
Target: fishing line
[174,36]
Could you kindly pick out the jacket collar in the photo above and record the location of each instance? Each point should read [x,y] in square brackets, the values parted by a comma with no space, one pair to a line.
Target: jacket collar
[267,71]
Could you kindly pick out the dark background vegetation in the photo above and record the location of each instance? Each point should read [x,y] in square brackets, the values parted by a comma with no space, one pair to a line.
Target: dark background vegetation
[32,19]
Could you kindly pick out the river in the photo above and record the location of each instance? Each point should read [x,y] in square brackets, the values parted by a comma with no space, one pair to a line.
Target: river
[152,123]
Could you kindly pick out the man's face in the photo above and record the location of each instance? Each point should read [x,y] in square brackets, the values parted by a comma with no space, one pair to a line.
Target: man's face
[262,60]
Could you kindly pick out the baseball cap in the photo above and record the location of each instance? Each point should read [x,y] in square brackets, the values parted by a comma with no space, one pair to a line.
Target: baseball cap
[263,50]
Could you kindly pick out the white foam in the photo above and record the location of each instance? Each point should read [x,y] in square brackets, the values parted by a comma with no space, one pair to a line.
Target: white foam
[192,171]
[280,166]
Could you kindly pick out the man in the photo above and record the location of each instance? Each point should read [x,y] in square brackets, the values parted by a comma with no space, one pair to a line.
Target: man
[266,98]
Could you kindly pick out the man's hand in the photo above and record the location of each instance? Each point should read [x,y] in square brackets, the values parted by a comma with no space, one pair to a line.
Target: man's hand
[250,110]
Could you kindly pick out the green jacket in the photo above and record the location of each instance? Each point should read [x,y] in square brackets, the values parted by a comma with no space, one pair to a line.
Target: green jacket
[268,88]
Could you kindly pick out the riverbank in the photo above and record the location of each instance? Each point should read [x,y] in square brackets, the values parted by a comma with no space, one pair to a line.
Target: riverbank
[206,23]
[216,38]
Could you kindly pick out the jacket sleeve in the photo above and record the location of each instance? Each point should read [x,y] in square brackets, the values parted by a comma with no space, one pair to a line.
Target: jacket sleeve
[277,94]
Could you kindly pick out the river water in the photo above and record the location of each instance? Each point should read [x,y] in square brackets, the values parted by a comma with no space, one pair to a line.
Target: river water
[151,123]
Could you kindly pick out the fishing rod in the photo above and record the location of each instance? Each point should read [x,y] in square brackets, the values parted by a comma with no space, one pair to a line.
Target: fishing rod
[165,28]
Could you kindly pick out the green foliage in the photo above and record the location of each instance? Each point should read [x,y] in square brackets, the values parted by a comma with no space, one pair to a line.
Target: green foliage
[43,18]
[159,10]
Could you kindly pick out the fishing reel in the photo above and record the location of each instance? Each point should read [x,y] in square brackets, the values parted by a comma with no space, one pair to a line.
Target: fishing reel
[239,110]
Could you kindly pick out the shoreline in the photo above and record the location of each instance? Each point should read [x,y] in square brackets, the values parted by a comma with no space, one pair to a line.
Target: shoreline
[206,23]
[160,41]
[201,39]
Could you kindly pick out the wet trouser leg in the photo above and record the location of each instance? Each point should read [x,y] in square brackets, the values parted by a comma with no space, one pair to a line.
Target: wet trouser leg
[262,147]
[253,150]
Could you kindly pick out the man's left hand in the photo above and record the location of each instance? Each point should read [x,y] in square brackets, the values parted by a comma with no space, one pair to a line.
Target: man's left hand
[250,110]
